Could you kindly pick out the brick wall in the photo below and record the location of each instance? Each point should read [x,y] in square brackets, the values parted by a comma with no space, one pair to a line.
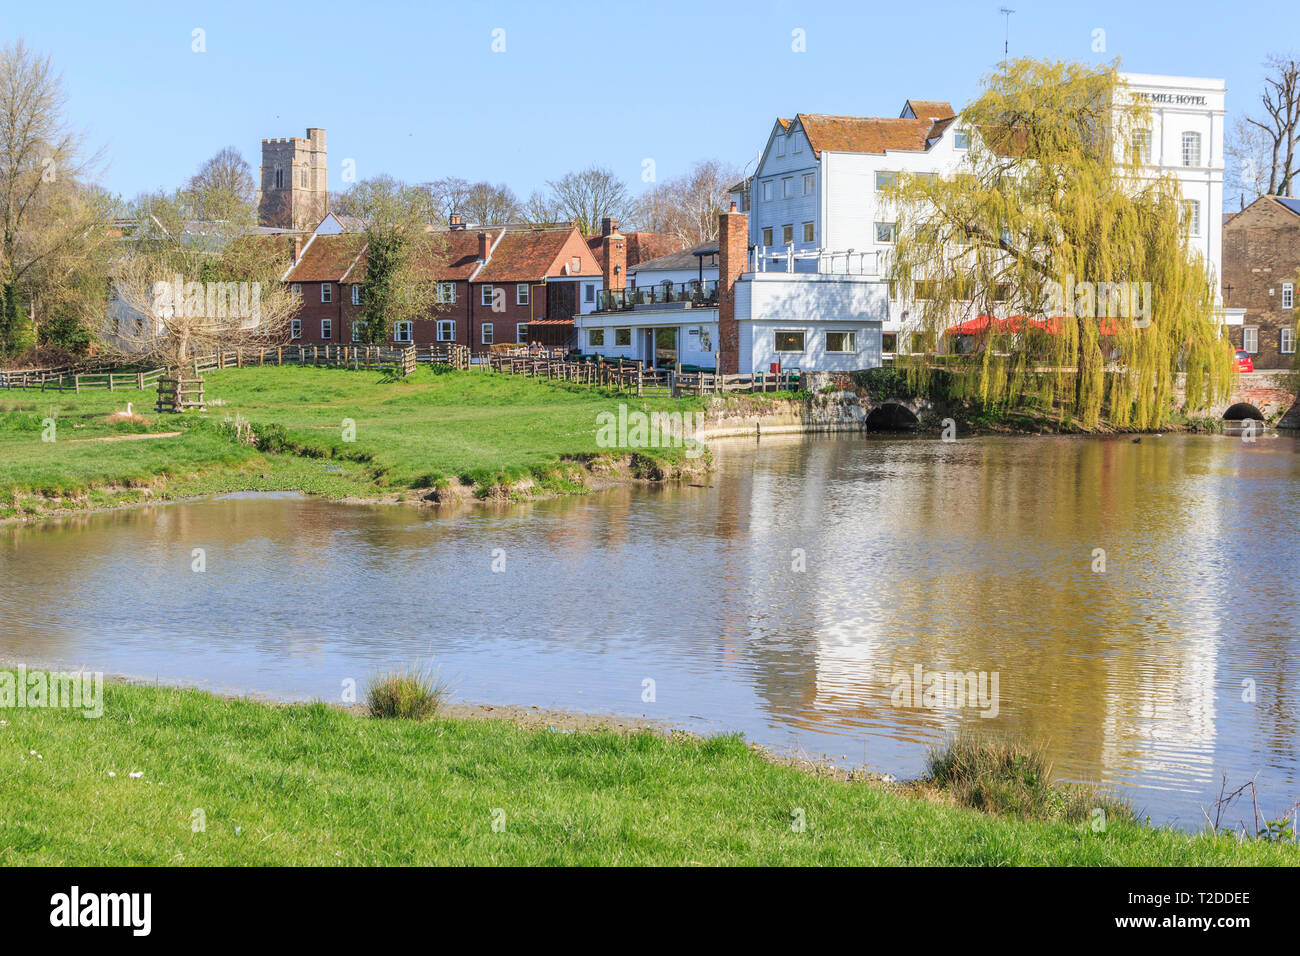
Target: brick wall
[1261,250]
[733,255]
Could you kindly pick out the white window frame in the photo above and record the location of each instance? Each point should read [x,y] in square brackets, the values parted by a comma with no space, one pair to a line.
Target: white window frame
[1286,341]
[446,330]
[403,331]
[295,328]
[622,333]
[485,295]
[589,292]
[961,139]
[767,236]
[787,234]
[486,333]
[295,288]
[327,292]
[356,330]
[327,329]
[885,178]
[356,295]
[767,190]
[851,340]
[1288,295]
[1193,209]
[1191,137]
[1142,144]
[596,338]
[893,233]
[803,341]
[521,293]
[809,232]
[447,293]
[521,332]
[787,187]
[1250,339]
[809,183]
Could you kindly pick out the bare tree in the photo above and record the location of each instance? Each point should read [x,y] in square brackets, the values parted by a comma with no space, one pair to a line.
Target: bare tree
[540,209]
[687,206]
[1281,125]
[51,223]
[488,203]
[448,195]
[1249,162]
[587,197]
[225,183]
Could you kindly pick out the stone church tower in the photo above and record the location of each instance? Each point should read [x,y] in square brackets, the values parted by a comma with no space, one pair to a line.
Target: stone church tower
[295,186]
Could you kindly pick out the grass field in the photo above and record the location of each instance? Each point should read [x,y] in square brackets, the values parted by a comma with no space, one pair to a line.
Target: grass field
[238,782]
[409,433]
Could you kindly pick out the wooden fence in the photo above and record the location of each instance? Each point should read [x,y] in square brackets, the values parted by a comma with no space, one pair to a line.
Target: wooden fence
[634,378]
[402,361]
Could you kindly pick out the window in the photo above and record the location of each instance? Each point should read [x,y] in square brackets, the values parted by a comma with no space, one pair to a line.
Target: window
[809,183]
[402,331]
[575,265]
[357,329]
[1142,145]
[767,191]
[1192,218]
[808,231]
[787,187]
[326,328]
[706,338]
[1286,342]
[886,231]
[961,139]
[1250,339]
[1191,149]
[446,330]
[487,333]
[521,332]
[767,236]
[356,295]
[295,329]
[596,337]
[789,341]
[446,292]
[589,293]
[885,179]
[1288,295]
[521,293]
[840,342]
[296,288]
[485,294]
[796,145]
[622,336]
[326,292]
[787,234]
[780,144]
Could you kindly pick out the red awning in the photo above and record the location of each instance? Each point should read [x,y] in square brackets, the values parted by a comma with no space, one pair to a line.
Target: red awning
[1016,323]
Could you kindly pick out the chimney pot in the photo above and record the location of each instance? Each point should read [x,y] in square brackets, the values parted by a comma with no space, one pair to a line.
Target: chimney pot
[484,246]
[454,221]
[608,226]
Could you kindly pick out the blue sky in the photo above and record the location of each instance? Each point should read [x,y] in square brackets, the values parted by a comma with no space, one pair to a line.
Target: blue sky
[415,89]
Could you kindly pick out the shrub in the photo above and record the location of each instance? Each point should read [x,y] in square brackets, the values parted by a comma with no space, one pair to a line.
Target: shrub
[411,694]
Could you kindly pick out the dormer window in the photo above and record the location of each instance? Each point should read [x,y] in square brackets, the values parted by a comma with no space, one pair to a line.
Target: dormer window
[961,139]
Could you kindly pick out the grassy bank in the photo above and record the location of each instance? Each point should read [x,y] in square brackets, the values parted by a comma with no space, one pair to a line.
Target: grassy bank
[407,435]
[238,782]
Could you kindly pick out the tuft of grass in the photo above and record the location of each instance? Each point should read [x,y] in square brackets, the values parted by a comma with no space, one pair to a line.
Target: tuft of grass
[1013,778]
[409,694]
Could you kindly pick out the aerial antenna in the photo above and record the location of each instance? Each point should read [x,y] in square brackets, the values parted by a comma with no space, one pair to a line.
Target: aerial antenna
[1006,41]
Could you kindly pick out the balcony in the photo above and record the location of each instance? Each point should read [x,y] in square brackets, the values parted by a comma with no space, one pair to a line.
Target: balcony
[696,294]
[820,261]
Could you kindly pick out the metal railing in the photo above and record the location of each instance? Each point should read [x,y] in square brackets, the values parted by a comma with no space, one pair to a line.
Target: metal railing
[695,294]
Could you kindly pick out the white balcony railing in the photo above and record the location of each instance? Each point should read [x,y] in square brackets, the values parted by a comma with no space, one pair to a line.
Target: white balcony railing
[819,261]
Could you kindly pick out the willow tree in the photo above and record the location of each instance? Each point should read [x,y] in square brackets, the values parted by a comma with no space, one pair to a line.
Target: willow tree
[1063,257]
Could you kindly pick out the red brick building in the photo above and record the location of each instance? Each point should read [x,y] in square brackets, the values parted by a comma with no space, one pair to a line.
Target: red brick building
[492,284]
[1261,273]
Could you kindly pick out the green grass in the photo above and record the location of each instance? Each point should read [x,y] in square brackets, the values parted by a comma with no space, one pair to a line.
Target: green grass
[417,433]
[315,785]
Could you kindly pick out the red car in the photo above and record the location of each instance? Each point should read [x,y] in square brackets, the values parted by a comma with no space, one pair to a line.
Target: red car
[1244,362]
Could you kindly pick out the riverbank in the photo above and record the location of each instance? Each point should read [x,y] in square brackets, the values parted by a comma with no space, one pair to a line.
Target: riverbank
[176,777]
[338,433]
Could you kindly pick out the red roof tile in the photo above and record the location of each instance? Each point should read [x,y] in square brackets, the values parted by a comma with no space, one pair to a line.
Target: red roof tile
[327,258]
[865,134]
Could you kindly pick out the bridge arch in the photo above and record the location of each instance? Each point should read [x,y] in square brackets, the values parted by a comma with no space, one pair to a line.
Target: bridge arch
[1242,411]
[892,417]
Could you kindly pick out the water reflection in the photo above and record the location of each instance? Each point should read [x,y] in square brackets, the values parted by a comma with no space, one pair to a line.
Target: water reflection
[779,600]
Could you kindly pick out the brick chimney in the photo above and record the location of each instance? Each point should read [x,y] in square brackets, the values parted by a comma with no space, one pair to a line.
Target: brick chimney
[608,226]
[455,222]
[614,264]
[484,246]
[733,257]
[297,249]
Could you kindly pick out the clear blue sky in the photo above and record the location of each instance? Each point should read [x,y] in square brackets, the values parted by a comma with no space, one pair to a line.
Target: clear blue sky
[415,89]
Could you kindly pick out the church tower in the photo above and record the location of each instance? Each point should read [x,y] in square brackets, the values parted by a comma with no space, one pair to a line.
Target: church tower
[295,185]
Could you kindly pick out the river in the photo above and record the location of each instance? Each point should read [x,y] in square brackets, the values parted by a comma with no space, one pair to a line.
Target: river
[1136,603]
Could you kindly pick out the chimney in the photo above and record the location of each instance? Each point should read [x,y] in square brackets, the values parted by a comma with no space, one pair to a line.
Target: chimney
[614,264]
[297,248]
[733,256]
[484,246]
[454,221]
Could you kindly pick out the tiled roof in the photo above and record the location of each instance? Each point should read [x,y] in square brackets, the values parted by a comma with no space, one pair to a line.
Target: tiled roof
[930,109]
[458,256]
[524,256]
[870,134]
[640,246]
[1289,203]
[327,258]
[683,259]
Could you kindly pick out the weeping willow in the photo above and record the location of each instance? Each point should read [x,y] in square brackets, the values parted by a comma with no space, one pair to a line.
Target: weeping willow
[1061,256]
